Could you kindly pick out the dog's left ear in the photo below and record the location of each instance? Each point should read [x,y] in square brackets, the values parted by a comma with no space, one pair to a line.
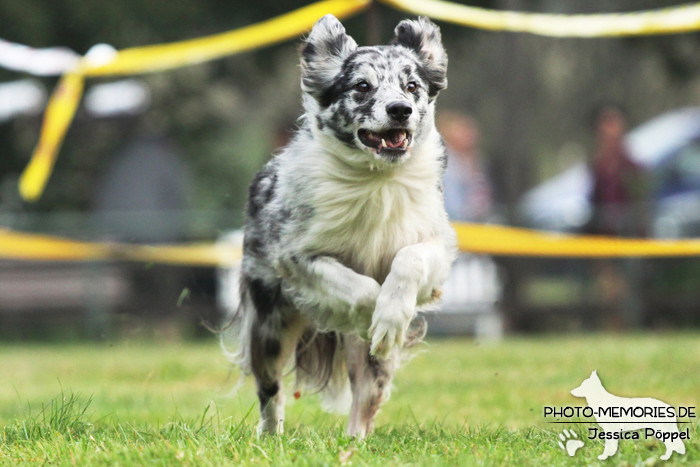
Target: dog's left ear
[323,54]
[423,37]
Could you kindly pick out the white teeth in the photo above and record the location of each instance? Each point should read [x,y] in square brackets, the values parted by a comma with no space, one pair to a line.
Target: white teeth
[404,144]
[383,144]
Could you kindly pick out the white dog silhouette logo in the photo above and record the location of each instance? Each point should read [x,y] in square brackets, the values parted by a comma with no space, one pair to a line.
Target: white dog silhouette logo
[617,415]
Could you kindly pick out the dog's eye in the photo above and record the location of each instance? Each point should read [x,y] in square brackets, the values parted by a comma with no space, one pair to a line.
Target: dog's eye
[411,87]
[363,86]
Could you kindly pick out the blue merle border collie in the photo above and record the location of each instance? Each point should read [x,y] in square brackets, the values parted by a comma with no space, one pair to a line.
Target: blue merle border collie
[346,235]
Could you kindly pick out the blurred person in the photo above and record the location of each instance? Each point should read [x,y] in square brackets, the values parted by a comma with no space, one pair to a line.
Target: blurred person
[473,286]
[616,198]
[617,181]
[468,193]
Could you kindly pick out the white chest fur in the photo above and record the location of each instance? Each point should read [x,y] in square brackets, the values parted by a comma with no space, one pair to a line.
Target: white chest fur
[363,218]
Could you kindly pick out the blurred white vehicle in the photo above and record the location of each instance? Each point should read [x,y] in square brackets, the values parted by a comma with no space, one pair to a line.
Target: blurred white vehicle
[668,147]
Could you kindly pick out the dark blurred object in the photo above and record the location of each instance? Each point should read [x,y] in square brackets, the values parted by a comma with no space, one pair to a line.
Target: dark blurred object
[144,192]
[65,301]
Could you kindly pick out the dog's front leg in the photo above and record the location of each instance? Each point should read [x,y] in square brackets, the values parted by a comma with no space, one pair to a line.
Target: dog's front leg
[417,274]
[370,382]
[338,298]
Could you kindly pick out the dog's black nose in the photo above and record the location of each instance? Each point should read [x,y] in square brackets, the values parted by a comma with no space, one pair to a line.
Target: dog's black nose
[399,111]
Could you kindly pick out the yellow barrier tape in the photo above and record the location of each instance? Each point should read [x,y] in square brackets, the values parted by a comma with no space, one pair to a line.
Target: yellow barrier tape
[24,246]
[473,238]
[57,119]
[66,97]
[204,254]
[162,57]
[510,241]
[662,21]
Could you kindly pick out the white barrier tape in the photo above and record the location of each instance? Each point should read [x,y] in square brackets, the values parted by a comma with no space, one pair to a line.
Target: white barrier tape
[40,62]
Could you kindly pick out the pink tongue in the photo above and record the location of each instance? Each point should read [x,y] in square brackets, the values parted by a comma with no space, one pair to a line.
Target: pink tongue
[394,139]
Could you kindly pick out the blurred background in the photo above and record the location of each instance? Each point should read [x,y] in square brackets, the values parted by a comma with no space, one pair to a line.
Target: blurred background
[598,136]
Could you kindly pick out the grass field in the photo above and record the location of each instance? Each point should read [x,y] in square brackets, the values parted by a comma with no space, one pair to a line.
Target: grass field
[457,403]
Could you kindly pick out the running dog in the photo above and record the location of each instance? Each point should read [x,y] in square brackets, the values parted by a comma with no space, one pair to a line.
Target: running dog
[346,235]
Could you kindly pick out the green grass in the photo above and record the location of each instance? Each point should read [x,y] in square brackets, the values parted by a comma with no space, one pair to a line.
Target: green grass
[457,403]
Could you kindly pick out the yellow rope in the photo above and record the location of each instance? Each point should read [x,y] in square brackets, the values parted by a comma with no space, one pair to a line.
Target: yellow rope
[168,56]
[57,119]
[474,238]
[26,246]
[671,20]
[512,241]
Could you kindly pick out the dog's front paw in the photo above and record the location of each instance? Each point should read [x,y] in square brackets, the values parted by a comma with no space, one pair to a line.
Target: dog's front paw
[389,324]
[386,333]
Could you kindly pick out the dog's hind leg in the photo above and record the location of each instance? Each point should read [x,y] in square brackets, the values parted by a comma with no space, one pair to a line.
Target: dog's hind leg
[271,350]
[273,337]
[370,382]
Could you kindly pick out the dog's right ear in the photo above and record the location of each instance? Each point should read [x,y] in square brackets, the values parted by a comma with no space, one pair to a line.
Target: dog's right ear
[424,38]
[323,54]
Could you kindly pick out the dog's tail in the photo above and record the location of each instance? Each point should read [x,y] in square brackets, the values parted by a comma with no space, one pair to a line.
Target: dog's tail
[320,367]
[235,335]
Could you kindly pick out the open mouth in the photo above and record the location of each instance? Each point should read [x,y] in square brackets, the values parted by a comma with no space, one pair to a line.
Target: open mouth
[389,142]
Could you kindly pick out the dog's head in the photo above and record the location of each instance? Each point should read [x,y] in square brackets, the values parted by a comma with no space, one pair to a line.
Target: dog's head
[376,101]
[590,387]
